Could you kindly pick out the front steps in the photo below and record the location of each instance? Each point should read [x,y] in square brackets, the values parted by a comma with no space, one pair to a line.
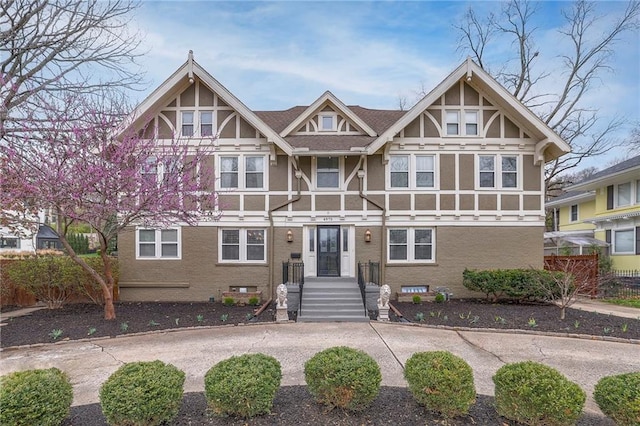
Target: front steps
[331,300]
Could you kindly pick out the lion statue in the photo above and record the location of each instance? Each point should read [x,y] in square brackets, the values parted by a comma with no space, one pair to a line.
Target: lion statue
[281,296]
[385,294]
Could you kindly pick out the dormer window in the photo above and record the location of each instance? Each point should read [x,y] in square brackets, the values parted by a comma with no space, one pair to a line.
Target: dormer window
[327,123]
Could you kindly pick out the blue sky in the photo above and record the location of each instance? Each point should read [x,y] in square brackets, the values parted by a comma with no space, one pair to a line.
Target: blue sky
[274,55]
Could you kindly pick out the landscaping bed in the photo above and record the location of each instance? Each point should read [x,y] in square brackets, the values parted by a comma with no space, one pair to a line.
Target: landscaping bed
[83,320]
[477,313]
[294,405]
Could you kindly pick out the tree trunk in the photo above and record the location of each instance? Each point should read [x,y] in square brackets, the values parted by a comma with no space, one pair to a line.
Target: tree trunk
[563,311]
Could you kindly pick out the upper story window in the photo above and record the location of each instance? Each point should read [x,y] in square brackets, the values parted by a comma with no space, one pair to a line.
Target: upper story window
[206,123]
[328,172]
[411,244]
[638,191]
[327,122]
[242,245]
[574,213]
[187,123]
[412,171]
[455,127]
[247,172]
[158,244]
[489,171]
[623,196]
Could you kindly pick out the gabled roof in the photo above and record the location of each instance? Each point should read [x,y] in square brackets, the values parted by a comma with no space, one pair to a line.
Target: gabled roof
[630,168]
[571,197]
[330,98]
[181,79]
[550,145]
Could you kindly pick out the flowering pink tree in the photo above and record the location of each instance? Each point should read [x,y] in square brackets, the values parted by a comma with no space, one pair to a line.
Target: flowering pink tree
[96,171]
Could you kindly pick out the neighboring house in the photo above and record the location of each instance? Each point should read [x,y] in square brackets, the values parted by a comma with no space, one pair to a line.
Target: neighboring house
[605,206]
[455,182]
[10,242]
[25,240]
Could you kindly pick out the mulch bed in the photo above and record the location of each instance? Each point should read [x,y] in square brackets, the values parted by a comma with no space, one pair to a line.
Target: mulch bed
[294,406]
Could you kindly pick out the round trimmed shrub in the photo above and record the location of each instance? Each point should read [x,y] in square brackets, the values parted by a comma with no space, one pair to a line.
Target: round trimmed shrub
[142,393]
[243,385]
[441,381]
[35,397]
[619,398]
[343,377]
[535,394]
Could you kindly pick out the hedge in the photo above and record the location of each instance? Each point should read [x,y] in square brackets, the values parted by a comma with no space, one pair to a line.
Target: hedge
[520,284]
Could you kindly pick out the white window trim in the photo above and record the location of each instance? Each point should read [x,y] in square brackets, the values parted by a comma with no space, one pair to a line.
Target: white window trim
[242,172]
[413,171]
[334,121]
[497,182]
[462,122]
[340,174]
[158,244]
[200,123]
[411,237]
[243,246]
[613,241]
[193,123]
[632,190]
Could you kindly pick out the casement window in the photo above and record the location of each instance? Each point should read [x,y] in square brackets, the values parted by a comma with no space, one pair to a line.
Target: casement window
[327,123]
[574,213]
[623,241]
[242,245]
[412,171]
[453,122]
[10,243]
[506,169]
[187,123]
[411,245]
[242,172]
[328,172]
[623,194]
[206,123]
[158,243]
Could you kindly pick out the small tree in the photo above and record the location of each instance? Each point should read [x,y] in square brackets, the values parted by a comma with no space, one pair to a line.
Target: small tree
[574,275]
[87,172]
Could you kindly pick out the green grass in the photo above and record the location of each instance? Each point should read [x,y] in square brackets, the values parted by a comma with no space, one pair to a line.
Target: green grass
[89,255]
[633,303]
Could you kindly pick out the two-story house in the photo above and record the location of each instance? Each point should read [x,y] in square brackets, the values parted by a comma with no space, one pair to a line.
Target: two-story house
[605,206]
[455,182]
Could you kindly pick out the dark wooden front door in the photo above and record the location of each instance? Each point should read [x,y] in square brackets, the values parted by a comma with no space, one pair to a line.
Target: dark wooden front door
[328,251]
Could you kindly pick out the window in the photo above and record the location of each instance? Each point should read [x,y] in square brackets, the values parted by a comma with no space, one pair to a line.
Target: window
[623,241]
[149,172]
[623,197]
[254,172]
[327,122]
[487,171]
[242,245]
[187,123]
[638,192]
[206,123]
[399,166]
[574,213]
[328,172]
[509,172]
[345,239]
[425,171]
[453,122]
[312,239]
[413,244]
[506,169]
[228,172]
[471,123]
[9,243]
[159,243]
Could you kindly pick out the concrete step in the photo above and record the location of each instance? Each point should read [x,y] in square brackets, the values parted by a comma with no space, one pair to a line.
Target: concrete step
[333,318]
[332,300]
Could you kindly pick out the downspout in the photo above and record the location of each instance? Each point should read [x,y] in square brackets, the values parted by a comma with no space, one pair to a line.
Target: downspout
[384,220]
[271,230]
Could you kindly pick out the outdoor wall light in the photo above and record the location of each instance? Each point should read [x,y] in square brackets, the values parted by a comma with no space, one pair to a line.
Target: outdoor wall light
[289,236]
[367,236]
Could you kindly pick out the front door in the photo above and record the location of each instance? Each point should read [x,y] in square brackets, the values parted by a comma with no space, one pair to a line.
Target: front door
[328,251]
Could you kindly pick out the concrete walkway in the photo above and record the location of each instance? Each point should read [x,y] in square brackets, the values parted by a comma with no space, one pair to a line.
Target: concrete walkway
[89,363]
[594,305]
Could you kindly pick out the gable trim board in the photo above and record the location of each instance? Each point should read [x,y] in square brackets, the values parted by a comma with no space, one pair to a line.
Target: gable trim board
[463,223]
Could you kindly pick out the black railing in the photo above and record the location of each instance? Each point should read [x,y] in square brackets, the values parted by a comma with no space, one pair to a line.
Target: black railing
[368,273]
[293,273]
[622,284]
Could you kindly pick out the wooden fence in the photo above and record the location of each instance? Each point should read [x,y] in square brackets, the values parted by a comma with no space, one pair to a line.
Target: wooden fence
[584,267]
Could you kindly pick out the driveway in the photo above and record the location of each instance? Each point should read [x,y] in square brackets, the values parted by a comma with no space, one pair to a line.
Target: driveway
[90,363]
